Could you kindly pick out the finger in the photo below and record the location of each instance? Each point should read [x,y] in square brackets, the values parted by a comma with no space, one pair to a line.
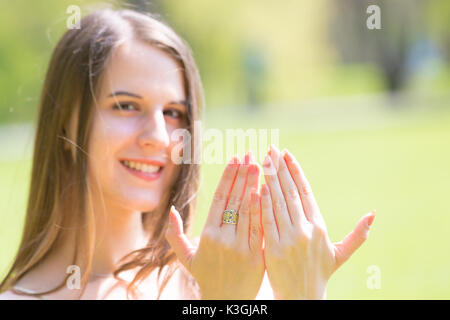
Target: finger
[179,242]
[289,189]
[269,224]
[251,157]
[236,195]
[345,248]
[282,217]
[275,156]
[244,209]
[310,207]
[255,236]
[220,197]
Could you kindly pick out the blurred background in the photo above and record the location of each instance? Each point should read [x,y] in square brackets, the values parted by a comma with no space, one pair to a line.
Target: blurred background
[365,111]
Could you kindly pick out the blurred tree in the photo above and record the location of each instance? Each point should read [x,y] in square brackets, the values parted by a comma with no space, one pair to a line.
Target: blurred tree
[254,66]
[402,24]
[292,43]
[438,17]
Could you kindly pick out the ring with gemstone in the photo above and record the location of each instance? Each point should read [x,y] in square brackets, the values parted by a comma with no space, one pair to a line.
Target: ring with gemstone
[230,216]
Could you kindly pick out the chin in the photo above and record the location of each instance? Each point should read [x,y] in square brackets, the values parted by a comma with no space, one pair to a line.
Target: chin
[142,203]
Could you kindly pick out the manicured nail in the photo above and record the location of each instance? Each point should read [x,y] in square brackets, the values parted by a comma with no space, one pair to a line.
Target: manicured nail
[253,169]
[288,156]
[171,216]
[247,159]
[274,149]
[283,153]
[371,218]
[234,160]
[251,157]
[266,162]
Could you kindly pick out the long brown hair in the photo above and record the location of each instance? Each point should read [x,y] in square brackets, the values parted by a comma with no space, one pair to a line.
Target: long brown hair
[59,174]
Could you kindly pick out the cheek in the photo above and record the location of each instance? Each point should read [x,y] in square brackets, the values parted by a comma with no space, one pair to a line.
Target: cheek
[107,138]
[174,158]
[109,135]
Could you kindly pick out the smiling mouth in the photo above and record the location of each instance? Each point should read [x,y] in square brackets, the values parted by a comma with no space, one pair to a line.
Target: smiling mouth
[141,167]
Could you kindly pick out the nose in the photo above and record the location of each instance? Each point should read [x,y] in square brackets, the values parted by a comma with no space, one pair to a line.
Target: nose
[154,133]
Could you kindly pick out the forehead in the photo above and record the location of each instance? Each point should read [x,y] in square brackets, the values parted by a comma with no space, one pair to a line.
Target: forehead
[142,68]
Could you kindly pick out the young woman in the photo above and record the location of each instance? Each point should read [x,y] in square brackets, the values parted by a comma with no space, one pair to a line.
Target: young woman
[110,201]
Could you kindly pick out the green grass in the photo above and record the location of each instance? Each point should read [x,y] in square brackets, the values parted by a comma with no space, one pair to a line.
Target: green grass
[358,156]
[13,196]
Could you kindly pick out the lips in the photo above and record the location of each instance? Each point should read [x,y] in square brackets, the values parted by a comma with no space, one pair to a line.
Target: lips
[147,170]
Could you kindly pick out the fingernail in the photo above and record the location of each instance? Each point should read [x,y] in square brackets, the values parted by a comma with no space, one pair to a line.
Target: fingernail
[266,162]
[274,148]
[253,169]
[371,218]
[288,156]
[234,160]
[171,216]
[251,158]
[247,158]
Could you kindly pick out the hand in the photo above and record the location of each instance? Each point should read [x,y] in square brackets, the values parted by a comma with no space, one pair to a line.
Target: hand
[228,262]
[298,253]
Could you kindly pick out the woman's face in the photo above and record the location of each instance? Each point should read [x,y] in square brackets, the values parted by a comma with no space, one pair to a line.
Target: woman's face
[141,102]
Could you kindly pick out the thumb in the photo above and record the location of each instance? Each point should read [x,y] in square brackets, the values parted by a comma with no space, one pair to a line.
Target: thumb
[345,248]
[178,240]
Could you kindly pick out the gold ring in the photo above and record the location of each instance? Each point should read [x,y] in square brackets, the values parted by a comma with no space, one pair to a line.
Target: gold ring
[230,216]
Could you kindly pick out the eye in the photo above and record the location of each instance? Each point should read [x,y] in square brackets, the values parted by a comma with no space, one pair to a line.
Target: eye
[174,113]
[125,107]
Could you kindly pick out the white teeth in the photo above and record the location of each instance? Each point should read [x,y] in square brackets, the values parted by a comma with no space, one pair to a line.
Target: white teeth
[152,169]
[141,166]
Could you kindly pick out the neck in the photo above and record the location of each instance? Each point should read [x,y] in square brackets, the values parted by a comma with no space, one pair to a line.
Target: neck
[118,232]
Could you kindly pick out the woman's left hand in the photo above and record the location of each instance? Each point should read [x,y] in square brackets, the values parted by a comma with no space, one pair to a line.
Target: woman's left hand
[298,253]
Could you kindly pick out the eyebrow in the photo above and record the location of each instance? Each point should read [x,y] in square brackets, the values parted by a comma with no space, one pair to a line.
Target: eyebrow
[126,93]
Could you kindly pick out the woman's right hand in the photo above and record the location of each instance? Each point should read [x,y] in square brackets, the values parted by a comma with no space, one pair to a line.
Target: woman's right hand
[228,262]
